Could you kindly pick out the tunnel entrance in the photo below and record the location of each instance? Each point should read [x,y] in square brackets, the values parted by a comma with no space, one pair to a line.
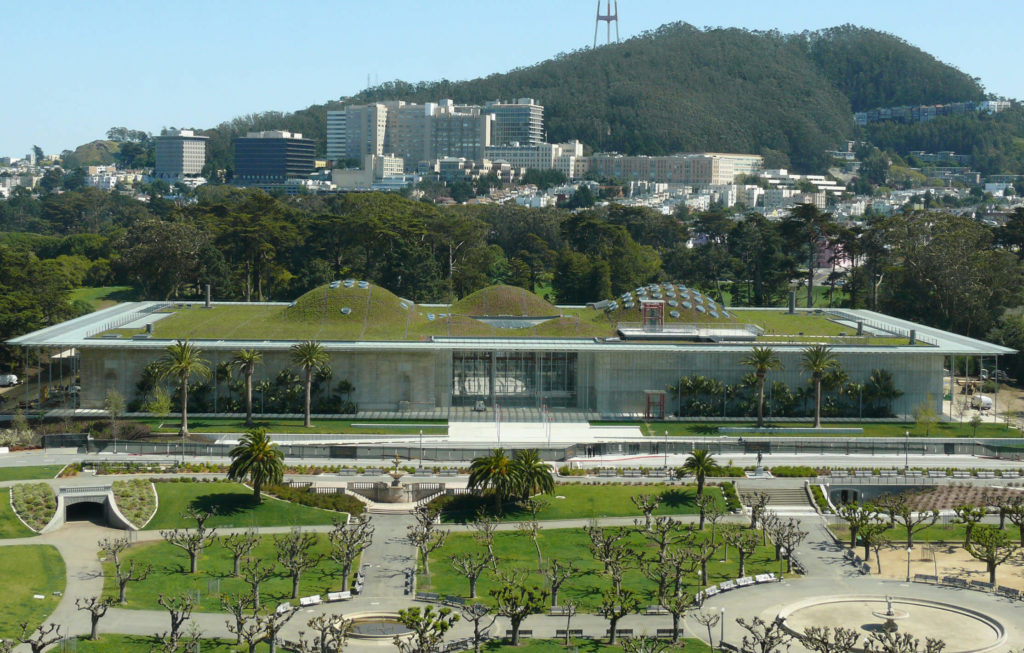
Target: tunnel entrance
[86,511]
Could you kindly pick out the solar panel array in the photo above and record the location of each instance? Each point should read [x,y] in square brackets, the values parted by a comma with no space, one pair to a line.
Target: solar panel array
[676,296]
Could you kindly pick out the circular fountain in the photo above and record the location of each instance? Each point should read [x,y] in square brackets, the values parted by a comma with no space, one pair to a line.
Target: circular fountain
[377,627]
[963,630]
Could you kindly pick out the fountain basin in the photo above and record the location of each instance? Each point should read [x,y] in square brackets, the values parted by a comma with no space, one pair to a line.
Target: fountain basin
[380,627]
[964,630]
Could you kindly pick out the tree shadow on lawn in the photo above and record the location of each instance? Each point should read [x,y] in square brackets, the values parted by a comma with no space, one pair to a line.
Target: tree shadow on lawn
[225,504]
[678,498]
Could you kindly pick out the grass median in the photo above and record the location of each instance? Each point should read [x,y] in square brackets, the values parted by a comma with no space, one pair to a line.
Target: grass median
[10,525]
[27,572]
[235,507]
[30,472]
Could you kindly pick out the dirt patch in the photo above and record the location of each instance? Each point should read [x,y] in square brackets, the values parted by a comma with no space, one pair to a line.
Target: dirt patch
[946,497]
[946,560]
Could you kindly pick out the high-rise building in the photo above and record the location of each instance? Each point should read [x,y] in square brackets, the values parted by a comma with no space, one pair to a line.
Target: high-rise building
[268,159]
[519,122]
[356,131]
[180,153]
[459,131]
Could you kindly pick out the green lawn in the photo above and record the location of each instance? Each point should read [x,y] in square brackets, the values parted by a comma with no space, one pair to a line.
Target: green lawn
[572,501]
[582,645]
[237,425]
[170,575]
[102,296]
[516,550]
[871,429]
[235,507]
[10,525]
[142,644]
[29,472]
[27,571]
[936,533]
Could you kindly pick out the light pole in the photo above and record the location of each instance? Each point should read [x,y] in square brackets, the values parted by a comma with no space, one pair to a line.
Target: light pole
[909,549]
[666,450]
[721,631]
[906,453]
[421,447]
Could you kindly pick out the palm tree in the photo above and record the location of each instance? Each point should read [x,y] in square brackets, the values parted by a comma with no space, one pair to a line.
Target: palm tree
[311,356]
[258,458]
[181,361]
[700,463]
[496,472]
[763,360]
[532,473]
[246,361]
[818,360]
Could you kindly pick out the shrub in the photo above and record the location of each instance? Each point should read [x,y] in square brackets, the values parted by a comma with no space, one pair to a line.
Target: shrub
[732,498]
[305,497]
[793,471]
[34,503]
[819,499]
[135,499]
[730,471]
[565,471]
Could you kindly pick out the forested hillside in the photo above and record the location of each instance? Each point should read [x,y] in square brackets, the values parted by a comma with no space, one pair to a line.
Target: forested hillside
[680,88]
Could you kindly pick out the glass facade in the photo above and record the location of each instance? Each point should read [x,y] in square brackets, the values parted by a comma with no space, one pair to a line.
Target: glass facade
[514,378]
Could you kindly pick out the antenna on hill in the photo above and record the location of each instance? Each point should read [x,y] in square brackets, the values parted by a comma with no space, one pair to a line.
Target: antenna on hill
[609,18]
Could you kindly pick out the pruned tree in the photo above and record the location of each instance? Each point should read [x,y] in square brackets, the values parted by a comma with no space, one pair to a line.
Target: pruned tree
[476,613]
[250,630]
[970,516]
[828,640]
[569,609]
[471,565]
[745,542]
[40,638]
[857,516]
[330,632]
[875,539]
[179,642]
[240,545]
[714,512]
[604,542]
[190,540]
[236,605]
[179,609]
[709,620]
[758,503]
[791,535]
[484,526]
[700,552]
[1013,508]
[893,642]
[764,636]
[659,571]
[900,512]
[646,504]
[556,573]
[428,627]
[616,603]
[770,523]
[644,644]
[677,604]
[426,537]
[97,608]
[729,534]
[516,601]
[273,622]
[993,547]
[254,572]
[531,528]
[664,532]
[112,549]
[295,552]
[683,563]
[348,541]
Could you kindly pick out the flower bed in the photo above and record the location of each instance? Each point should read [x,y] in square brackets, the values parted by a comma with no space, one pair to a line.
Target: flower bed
[136,500]
[34,503]
[303,496]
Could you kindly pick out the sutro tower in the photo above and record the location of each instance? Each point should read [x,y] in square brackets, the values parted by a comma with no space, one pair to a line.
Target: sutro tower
[609,18]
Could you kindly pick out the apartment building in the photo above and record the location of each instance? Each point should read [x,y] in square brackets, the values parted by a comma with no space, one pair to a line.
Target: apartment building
[705,168]
[520,122]
[268,159]
[542,156]
[179,153]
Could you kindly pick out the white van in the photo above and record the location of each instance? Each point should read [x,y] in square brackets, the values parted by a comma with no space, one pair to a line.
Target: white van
[7,380]
[981,402]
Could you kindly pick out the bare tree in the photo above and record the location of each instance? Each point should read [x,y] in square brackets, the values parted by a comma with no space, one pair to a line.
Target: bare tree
[348,541]
[603,543]
[758,502]
[272,624]
[709,620]
[557,573]
[700,552]
[192,541]
[255,572]
[475,613]
[330,634]
[1013,508]
[970,516]
[179,642]
[729,534]
[240,545]
[484,526]
[426,536]
[664,532]
[97,608]
[570,611]
[644,644]
[677,605]
[235,605]
[714,512]
[661,572]
[901,512]
[472,566]
[295,554]
[531,527]
[40,638]
[179,608]
[745,542]
[886,642]
[250,630]
[112,549]
[875,539]
[791,535]
[616,603]
[857,517]
[827,640]
[765,637]
[646,504]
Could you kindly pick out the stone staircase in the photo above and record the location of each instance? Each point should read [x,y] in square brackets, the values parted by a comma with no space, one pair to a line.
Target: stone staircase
[782,501]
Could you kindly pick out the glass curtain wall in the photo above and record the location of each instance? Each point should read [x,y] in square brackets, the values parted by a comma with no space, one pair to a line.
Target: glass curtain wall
[514,379]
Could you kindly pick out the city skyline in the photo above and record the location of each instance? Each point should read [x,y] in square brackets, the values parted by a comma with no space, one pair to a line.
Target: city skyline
[191,65]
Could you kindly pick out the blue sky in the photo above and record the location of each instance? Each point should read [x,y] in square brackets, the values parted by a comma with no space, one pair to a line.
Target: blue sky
[73,69]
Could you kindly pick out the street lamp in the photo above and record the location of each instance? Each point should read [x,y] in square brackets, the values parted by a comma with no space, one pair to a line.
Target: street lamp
[421,447]
[909,549]
[906,453]
[666,450]
[721,632]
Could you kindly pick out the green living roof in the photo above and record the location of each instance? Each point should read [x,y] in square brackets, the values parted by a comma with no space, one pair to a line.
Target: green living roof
[352,311]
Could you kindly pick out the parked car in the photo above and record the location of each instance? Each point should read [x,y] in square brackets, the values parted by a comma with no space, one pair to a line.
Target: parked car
[7,380]
[981,402]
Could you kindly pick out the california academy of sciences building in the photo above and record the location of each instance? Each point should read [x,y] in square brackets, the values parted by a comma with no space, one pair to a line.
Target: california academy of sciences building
[503,345]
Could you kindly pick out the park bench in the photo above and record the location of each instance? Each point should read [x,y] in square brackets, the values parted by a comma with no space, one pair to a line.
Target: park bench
[955,581]
[961,474]
[1008,592]
[522,633]
[339,596]
[449,472]
[664,632]
[936,473]
[746,581]
[372,472]
[656,609]
[838,473]
[423,472]
[887,472]
[986,474]
[711,591]
[454,600]
[913,473]
[865,569]
[620,632]
[925,578]
[573,632]
[427,596]
[981,585]
[727,585]
[861,473]
[607,472]
[284,607]
[1010,474]
[307,601]
[765,578]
